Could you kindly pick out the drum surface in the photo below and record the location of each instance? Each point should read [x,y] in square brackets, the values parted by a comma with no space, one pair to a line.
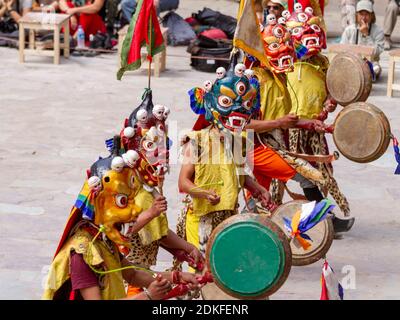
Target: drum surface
[321,235]
[249,256]
[362,132]
[349,78]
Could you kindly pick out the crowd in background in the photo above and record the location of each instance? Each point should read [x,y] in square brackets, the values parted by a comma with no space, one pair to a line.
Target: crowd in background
[102,17]
[106,16]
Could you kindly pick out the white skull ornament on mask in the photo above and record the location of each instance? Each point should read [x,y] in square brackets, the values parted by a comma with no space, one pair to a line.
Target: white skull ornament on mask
[298,8]
[309,11]
[240,68]
[282,20]
[167,111]
[249,73]
[129,132]
[130,158]
[158,111]
[221,72]
[271,19]
[141,116]
[117,164]
[286,14]
[207,85]
[94,183]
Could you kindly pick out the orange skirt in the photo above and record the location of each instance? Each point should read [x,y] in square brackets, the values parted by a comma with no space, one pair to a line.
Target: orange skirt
[268,165]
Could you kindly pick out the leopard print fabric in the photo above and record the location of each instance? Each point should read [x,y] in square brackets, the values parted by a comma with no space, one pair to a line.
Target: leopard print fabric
[309,142]
[277,190]
[208,223]
[181,231]
[143,256]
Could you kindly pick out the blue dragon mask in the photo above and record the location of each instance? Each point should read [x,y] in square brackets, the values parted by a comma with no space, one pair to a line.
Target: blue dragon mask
[229,102]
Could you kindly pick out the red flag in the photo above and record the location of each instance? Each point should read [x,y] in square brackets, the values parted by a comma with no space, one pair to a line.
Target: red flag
[144,29]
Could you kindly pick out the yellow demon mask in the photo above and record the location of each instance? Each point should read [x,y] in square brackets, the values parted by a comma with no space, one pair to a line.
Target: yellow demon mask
[108,198]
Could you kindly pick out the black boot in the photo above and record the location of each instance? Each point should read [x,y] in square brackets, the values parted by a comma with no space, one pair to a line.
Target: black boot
[313,194]
[339,225]
[342,225]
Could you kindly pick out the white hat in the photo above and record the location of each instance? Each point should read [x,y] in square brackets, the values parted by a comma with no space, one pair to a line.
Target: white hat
[365,5]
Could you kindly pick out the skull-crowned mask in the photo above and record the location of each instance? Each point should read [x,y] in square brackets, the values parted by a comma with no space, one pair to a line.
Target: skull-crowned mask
[306,32]
[278,48]
[230,103]
[145,132]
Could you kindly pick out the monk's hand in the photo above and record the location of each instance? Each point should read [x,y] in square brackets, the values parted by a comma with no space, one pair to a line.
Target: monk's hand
[196,255]
[330,105]
[159,206]
[213,197]
[288,121]
[159,288]
[319,126]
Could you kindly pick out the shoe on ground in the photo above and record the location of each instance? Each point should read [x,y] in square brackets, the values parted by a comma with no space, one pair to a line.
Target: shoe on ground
[342,225]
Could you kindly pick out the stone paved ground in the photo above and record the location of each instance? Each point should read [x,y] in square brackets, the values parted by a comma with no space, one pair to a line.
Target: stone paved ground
[54,120]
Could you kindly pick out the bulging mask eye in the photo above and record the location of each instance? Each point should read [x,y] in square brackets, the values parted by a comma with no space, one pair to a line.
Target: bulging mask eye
[149,145]
[278,32]
[240,88]
[121,200]
[315,27]
[225,101]
[247,104]
[274,46]
[297,31]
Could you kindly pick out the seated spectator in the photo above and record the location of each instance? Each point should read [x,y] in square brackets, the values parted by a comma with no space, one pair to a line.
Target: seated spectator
[275,7]
[85,13]
[366,32]
[128,9]
[391,13]
[39,5]
[14,9]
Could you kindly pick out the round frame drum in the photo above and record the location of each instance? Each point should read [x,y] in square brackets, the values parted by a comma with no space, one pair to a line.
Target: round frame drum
[321,235]
[349,78]
[249,256]
[362,132]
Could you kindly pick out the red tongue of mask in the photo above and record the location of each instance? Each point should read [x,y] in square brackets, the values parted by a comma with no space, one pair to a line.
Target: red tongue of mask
[237,122]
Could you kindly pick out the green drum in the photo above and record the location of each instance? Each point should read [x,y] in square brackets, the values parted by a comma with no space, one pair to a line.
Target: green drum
[249,256]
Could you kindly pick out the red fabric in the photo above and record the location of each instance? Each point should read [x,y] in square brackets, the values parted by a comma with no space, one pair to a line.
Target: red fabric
[201,123]
[81,275]
[74,217]
[140,32]
[91,23]
[305,4]
[324,290]
[214,34]
[192,21]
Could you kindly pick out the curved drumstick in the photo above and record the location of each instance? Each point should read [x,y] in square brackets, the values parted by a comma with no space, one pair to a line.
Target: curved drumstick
[183,288]
[183,256]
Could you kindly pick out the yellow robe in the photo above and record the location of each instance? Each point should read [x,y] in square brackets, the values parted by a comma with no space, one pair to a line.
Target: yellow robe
[157,227]
[97,255]
[209,173]
[307,87]
[275,98]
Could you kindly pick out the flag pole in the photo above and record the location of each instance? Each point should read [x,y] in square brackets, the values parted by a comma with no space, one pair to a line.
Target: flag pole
[149,57]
